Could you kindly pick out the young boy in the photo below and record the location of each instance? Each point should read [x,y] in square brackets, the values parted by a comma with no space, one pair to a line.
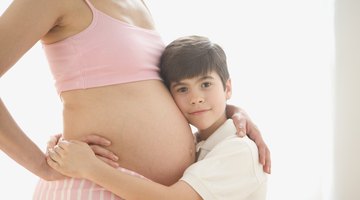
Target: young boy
[227,168]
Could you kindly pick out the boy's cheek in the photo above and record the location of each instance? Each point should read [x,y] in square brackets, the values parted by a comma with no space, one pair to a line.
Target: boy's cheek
[180,103]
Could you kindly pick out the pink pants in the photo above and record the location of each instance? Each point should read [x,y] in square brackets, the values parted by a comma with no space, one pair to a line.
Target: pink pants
[75,189]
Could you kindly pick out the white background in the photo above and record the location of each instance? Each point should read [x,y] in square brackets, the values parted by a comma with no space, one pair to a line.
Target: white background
[280,56]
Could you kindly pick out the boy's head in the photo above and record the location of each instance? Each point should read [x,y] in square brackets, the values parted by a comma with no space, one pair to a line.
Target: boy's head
[191,56]
[194,69]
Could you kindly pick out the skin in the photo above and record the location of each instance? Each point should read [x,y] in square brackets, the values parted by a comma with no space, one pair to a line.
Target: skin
[117,116]
[52,21]
[202,100]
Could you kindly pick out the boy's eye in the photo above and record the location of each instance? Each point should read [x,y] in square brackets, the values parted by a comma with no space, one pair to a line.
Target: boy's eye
[206,84]
[182,89]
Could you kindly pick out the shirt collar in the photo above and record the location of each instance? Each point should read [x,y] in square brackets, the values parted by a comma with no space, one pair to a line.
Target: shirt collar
[225,130]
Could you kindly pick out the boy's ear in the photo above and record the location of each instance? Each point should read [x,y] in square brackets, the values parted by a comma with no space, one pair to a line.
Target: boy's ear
[228,89]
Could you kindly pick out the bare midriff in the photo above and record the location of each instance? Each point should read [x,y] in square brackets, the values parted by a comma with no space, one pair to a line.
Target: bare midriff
[148,132]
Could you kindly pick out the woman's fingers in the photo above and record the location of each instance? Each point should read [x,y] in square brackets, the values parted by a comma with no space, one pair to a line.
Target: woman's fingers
[96,140]
[104,153]
[54,139]
[52,163]
[54,155]
[109,162]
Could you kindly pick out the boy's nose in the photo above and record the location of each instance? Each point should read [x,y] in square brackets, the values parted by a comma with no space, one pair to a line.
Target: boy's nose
[197,100]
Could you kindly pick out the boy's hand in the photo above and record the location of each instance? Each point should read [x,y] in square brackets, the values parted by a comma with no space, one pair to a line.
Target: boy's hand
[96,143]
[73,158]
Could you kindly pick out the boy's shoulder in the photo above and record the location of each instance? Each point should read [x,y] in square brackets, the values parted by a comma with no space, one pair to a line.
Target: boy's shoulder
[233,162]
[237,146]
[224,139]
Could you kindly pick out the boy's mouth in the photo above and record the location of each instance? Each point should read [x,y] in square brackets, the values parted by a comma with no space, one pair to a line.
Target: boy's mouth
[198,112]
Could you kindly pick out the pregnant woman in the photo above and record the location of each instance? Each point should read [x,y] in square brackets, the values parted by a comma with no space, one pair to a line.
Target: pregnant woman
[104,57]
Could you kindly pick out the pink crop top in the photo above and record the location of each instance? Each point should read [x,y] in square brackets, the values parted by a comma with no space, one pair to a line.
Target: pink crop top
[107,52]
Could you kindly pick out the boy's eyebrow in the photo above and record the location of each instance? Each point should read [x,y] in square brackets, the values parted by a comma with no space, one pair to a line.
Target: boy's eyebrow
[177,83]
[205,77]
[202,78]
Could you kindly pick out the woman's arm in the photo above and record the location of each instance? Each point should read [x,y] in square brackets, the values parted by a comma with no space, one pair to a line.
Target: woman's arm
[23,24]
[19,147]
[244,126]
[76,159]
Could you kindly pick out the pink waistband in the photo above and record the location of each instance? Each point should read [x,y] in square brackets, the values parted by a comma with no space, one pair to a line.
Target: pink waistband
[75,189]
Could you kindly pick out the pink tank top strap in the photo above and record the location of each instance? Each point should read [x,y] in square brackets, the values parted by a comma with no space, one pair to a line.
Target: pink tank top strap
[90,5]
[92,8]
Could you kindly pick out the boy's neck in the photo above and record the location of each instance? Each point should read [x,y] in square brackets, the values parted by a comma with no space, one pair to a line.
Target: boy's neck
[201,136]
[206,133]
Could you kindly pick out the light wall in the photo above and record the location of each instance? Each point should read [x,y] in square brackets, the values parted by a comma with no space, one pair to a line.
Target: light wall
[347,101]
[280,56]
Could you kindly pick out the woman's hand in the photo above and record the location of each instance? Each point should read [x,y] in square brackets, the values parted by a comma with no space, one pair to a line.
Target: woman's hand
[72,158]
[96,143]
[245,126]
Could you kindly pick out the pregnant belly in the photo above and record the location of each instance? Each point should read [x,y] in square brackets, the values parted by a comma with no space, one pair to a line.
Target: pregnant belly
[147,131]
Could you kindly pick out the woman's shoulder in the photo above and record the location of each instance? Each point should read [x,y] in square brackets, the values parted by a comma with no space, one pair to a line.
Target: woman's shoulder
[73,17]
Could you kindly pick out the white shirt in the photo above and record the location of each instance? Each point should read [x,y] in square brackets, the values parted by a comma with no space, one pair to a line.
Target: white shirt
[228,167]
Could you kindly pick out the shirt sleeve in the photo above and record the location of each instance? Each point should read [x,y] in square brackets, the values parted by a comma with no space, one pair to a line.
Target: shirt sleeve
[231,171]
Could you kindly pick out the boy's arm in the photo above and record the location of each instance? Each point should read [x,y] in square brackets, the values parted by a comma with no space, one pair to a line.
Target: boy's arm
[132,188]
[76,159]
[244,125]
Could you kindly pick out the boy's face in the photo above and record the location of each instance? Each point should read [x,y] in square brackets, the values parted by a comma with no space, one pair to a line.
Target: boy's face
[202,100]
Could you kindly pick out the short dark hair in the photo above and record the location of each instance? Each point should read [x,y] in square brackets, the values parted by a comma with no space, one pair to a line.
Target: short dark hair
[191,56]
